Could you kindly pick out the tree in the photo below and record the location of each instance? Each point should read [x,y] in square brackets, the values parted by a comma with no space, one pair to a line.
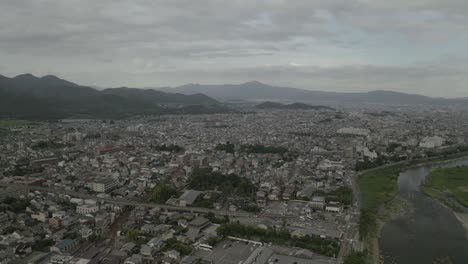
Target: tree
[355,258]
[228,147]
[132,235]
[42,245]
[205,179]
[162,193]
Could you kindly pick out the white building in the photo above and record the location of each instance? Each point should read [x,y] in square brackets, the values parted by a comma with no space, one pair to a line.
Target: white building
[87,209]
[431,142]
[103,185]
[333,207]
[354,131]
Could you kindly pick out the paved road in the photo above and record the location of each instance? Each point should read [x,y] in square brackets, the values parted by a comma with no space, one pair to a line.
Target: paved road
[125,202]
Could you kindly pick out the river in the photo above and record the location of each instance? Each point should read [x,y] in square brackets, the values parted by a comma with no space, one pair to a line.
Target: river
[428,232]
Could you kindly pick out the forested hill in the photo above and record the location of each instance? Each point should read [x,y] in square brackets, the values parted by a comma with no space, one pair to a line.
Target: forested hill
[49,97]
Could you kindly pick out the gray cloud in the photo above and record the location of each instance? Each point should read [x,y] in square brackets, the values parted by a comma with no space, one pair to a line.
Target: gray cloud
[342,45]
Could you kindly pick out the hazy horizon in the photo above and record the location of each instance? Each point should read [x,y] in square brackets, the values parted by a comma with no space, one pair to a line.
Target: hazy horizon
[168,88]
[415,47]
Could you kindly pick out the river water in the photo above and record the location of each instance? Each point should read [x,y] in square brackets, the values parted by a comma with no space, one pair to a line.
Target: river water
[429,232]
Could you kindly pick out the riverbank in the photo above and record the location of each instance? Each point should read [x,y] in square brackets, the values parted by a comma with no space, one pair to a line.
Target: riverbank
[449,186]
[394,209]
[379,189]
[463,218]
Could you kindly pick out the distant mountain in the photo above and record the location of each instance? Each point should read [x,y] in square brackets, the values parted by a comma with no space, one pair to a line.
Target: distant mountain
[27,96]
[299,106]
[155,96]
[259,91]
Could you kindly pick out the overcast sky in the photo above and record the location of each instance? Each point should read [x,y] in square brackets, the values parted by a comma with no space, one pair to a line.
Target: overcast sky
[417,46]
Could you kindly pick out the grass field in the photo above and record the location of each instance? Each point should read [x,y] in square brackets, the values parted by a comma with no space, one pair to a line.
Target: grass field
[448,182]
[13,123]
[377,188]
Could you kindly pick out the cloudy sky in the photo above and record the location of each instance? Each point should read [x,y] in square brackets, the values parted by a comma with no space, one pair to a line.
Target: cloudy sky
[417,46]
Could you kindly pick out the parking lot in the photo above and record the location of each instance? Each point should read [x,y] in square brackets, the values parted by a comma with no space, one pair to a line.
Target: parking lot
[227,252]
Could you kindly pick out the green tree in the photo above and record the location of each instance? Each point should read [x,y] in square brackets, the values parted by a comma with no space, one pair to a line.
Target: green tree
[132,235]
[162,193]
[355,258]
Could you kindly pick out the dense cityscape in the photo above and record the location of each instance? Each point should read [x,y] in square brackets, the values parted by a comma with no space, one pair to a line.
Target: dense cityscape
[254,186]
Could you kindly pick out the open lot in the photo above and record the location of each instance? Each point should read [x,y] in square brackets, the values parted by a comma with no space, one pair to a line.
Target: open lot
[227,252]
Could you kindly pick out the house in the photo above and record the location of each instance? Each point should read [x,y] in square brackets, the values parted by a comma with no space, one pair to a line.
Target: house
[182,223]
[85,231]
[172,254]
[199,223]
[317,203]
[102,222]
[147,251]
[134,259]
[154,229]
[171,257]
[334,207]
[54,221]
[87,209]
[103,185]
[115,257]
[156,243]
[128,247]
[3,219]
[196,226]
[188,197]
[261,198]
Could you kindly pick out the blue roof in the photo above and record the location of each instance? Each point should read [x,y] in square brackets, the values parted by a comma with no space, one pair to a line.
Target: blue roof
[65,244]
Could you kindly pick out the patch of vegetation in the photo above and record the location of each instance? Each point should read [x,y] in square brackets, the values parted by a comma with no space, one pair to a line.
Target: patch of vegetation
[261,149]
[253,208]
[43,245]
[446,183]
[16,205]
[13,123]
[162,193]
[132,235]
[369,164]
[217,220]
[447,152]
[4,132]
[343,195]
[326,247]
[355,258]
[208,202]
[377,188]
[68,205]
[17,171]
[49,145]
[204,203]
[169,148]
[301,134]
[173,244]
[205,179]
[228,147]
[96,238]
[9,229]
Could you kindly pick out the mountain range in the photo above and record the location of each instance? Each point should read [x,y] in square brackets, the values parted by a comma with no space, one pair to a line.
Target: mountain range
[297,106]
[49,97]
[258,91]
